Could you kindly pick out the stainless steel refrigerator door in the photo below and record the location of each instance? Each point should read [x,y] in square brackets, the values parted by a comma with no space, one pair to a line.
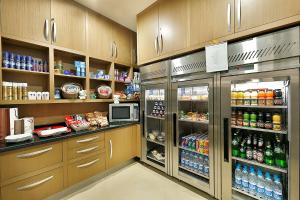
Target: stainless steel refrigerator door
[155,125]
[193,177]
[293,128]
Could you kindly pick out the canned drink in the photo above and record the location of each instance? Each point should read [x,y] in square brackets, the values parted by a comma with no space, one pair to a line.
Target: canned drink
[45,66]
[5,59]
[18,62]
[23,62]
[11,60]
[29,62]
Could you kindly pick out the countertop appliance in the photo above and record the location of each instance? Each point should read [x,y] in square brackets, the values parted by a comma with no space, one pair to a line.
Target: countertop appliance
[124,112]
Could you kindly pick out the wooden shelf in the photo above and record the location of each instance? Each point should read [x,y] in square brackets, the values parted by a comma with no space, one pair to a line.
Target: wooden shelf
[23,71]
[98,79]
[117,81]
[24,102]
[69,76]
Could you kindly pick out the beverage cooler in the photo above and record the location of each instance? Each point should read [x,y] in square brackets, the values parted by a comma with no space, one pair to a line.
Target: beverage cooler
[154,115]
[259,98]
[192,102]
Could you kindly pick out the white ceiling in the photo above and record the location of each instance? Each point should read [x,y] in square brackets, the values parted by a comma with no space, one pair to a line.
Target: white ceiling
[122,11]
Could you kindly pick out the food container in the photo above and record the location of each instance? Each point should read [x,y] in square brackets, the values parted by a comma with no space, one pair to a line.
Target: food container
[104,92]
[71,90]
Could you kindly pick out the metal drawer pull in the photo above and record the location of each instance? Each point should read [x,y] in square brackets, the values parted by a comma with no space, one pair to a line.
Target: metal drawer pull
[32,154]
[46,29]
[87,140]
[87,150]
[88,164]
[32,185]
[111,153]
[239,13]
[229,17]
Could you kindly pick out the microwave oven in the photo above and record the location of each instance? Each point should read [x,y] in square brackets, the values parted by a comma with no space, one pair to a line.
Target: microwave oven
[124,112]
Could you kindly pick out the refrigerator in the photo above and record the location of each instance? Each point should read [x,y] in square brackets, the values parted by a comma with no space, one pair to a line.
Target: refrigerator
[192,119]
[155,115]
[259,118]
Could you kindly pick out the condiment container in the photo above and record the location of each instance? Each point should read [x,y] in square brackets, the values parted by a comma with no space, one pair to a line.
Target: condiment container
[276,122]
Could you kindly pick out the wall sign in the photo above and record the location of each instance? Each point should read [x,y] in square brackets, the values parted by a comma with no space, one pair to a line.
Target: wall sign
[216,57]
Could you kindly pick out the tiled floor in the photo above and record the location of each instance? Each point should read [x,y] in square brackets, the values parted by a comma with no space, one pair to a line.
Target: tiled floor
[135,182]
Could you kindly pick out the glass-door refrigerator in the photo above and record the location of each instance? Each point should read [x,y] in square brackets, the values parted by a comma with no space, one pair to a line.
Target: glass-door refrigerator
[154,115]
[193,122]
[260,122]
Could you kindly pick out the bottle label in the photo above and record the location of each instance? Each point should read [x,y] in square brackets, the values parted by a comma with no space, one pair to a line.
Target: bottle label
[252,186]
[260,157]
[269,192]
[245,184]
[278,195]
[238,181]
[249,154]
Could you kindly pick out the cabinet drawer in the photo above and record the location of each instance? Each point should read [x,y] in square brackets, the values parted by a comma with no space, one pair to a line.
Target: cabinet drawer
[22,161]
[86,150]
[85,168]
[36,187]
[84,140]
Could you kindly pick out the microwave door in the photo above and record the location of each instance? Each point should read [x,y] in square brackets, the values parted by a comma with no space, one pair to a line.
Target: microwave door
[120,113]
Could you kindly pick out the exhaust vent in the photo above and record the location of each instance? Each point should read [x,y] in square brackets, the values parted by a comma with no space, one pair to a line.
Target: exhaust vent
[156,70]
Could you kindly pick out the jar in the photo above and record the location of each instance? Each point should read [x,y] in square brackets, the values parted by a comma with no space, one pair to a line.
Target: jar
[45,66]
[18,62]
[233,97]
[4,90]
[246,121]
[268,122]
[233,118]
[269,98]
[11,60]
[253,122]
[5,59]
[239,120]
[15,91]
[23,62]
[19,85]
[260,120]
[240,98]
[247,94]
[9,90]
[261,97]
[254,98]
[276,122]
[278,100]
[29,63]
[24,91]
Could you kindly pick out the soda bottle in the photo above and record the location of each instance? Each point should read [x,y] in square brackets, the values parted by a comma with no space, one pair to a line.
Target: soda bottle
[280,158]
[268,186]
[246,121]
[254,151]
[277,188]
[196,163]
[235,145]
[187,160]
[245,179]
[260,152]
[249,152]
[200,166]
[252,181]
[206,166]
[238,176]
[182,158]
[260,186]
[269,155]
[243,149]
[191,163]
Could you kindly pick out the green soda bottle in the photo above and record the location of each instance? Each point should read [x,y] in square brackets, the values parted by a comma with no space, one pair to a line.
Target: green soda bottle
[280,157]
[269,154]
[235,145]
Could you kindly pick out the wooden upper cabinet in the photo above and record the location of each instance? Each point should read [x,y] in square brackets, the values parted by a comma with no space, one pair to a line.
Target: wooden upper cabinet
[147,34]
[26,19]
[99,37]
[70,20]
[173,25]
[122,44]
[254,13]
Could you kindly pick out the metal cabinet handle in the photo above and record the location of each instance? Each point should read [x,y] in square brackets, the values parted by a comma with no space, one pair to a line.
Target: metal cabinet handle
[53,30]
[175,129]
[112,49]
[46,29]
[229,17]
[161,44]
[225,134]
[116,50]
[32,185]
[88,164]
[87,140]
[239,13]
[156,45]
[35,153]
[111,150]
[87,150]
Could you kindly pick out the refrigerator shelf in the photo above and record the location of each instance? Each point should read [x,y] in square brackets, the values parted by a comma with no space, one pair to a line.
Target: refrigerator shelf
[192,100]
[246,193]
[162,162]
[186,149]
[153,117]
[267,107]
[260,129]
[193,172]
[194,121]
[155,141]
[260,165]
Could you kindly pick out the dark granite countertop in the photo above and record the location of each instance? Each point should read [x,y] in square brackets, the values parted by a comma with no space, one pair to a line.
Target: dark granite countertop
[4,147]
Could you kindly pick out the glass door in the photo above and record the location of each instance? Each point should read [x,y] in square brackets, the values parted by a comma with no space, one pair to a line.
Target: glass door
[259,136]
[193,119]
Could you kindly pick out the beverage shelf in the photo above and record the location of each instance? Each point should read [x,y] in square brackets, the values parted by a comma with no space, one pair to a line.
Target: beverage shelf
[194,121]
[24,71]
[154,159]
[100,79]
[154,100]
[267,107]
[246,193]
[69,76]
[260,164]
[191,171]
[186,149]
[260,129]
[156,142]
[153,117]
[191,100]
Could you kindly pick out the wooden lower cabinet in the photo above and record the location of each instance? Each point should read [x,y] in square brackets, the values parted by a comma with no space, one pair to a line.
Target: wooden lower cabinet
[36,187]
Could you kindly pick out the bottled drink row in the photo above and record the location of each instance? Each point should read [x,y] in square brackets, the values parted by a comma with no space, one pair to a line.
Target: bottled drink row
[158,109]
[194,162]
[257,97]
[262,120]
[196,142]
[270,152]
[258,183]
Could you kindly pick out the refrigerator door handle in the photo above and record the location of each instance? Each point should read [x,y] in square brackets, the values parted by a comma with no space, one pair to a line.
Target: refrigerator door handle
[174,129]
[226,146]
[143,123]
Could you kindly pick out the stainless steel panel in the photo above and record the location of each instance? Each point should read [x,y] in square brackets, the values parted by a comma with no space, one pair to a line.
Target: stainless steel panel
[154,71]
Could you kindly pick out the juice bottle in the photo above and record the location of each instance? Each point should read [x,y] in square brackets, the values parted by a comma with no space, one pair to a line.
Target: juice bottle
[246,121]
[247,100]
[254,98]
[240,98]
[276,122]
[269,97]
[234,96]
[253,122]
[239,120]
[261,97]
[278,100]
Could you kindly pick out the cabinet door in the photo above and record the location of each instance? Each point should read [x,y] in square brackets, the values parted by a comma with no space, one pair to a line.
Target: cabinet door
[173,25]
[147,33]
[70,19]
[26,19]
[119,146]
[122,42]
[254,13]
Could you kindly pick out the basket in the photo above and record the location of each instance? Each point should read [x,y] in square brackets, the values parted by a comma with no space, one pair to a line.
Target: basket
[70,90]
[104,91]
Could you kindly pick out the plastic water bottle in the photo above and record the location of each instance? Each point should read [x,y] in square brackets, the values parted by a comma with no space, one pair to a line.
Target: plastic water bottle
[191,163]
[196,162]
[277,188]
[206,166]
[245,179]
[200,166]
[260,184]
[182,158]
[268,186]
[252,181]
[187,160]
[238,176]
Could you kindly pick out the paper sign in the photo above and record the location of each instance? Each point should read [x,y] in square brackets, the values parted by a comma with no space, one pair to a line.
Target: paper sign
[216,57]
